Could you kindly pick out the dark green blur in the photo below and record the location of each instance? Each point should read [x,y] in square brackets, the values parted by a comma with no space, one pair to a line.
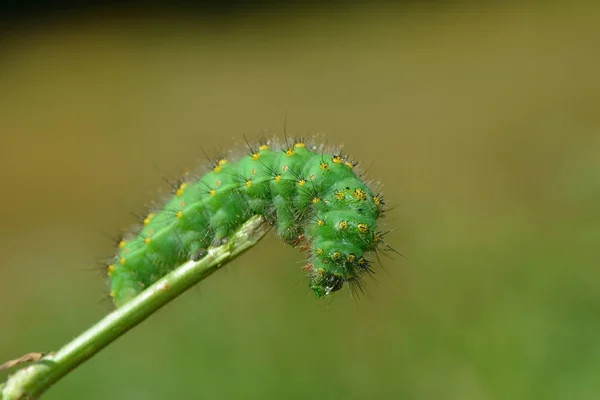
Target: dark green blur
[481,123]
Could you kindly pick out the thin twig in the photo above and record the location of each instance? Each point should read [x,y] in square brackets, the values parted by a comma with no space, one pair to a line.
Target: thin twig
[30,382]
[29,357]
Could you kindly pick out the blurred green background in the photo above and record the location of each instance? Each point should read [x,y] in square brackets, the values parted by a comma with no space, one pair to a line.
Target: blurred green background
[482,123]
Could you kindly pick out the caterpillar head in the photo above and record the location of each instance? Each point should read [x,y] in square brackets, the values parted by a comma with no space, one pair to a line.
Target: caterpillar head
[324,283]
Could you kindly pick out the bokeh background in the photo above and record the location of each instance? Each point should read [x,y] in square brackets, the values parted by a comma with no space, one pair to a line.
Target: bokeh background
[480,120]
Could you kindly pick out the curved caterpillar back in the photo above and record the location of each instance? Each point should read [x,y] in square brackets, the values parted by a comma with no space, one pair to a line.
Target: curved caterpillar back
[315,200]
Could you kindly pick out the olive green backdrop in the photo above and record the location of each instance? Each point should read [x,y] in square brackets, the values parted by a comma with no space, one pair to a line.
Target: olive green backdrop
[482,124]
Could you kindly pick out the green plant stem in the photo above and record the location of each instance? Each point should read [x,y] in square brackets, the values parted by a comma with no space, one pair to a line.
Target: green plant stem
[30,382]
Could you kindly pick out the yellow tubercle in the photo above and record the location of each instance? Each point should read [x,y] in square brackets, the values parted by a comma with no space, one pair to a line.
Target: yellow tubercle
[181,189]
[377,200]
[364,228]
[148,218]
[219,165]
[360,194]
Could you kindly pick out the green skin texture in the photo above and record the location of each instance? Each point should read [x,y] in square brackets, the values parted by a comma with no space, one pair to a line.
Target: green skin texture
[308,195]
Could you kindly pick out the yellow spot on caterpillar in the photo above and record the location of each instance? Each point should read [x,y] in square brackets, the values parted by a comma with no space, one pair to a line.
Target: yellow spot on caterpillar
[351,258]
[360,194]
[148,218]
[285,168]
[343,225]
[112,294]
[364,228]
[320,252]
[182,204]
[362,262]
[378,237]
[315,200]
[377,201]
[337,159]
[212,192]
[264,147]
[181,189]
[179,214]
[253,171]
[312,177]
[123,260]
[111,269]
[299,145]
[320,222]
[349,164]
[122,244]
[324,166]
[336,255]
[289,152]
[219,165]
[255,156]
[339,195]
[249,182]
[277,178]
[301,182]
[321,271]
[219,183]
[147,240]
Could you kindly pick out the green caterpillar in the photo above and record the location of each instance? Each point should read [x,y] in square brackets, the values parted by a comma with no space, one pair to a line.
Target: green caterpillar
[314,199]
